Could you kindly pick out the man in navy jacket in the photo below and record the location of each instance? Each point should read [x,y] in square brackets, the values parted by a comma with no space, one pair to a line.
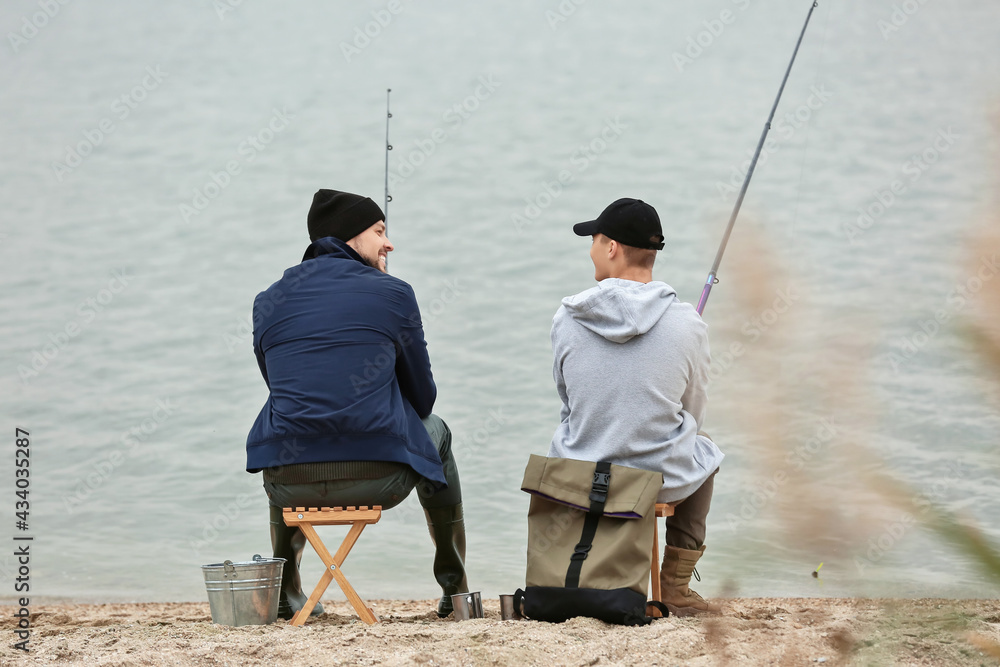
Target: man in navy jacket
[348,421]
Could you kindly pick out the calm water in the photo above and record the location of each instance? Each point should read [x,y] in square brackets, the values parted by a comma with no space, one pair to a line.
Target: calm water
[158,160]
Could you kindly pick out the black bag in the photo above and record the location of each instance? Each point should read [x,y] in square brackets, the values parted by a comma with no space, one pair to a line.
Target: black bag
[590,541]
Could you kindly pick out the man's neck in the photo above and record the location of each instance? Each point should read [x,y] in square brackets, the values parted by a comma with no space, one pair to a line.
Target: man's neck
[635,274]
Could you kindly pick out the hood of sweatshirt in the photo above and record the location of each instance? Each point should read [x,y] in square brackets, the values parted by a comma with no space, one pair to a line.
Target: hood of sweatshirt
[620,310]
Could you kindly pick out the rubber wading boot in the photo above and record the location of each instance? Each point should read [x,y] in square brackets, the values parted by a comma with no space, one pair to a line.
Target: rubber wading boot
[289,543]
[447,528]
[675,574]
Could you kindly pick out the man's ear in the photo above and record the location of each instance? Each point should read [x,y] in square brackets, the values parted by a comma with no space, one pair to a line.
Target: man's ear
[613,249]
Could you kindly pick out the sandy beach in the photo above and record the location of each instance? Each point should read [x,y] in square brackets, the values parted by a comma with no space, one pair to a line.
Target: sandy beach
[751,631]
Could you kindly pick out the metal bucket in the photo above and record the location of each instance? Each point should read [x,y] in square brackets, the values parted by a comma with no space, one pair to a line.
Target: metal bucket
[244,593]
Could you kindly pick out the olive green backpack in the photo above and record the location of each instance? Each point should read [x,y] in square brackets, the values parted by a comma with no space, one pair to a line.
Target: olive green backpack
[590,540]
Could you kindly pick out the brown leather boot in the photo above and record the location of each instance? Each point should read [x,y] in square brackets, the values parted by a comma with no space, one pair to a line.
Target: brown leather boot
[678,564]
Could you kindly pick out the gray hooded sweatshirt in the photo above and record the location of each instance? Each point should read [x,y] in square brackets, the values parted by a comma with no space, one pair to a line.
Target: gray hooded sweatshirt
[631,366]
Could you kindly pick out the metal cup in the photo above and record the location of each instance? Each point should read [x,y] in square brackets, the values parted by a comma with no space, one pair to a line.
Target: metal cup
[508,612]
[467,605]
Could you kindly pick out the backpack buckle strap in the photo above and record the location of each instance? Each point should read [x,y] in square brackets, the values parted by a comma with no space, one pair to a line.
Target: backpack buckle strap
[598,496]
[599,487]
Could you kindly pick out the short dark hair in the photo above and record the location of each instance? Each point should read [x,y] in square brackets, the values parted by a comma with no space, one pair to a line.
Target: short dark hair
[642,258]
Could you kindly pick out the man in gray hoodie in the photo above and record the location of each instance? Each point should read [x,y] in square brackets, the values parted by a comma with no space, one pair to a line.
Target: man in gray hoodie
[631,366]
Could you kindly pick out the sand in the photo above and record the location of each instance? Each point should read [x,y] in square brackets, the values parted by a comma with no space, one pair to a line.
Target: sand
[756,631]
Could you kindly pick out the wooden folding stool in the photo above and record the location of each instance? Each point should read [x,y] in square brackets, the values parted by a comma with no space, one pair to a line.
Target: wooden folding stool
[357,518]
[662,510]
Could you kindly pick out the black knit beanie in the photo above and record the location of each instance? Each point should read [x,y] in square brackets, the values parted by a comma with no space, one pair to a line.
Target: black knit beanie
[341,215]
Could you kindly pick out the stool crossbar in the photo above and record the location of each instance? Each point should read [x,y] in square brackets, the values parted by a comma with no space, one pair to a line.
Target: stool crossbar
[355,517]
[662,510]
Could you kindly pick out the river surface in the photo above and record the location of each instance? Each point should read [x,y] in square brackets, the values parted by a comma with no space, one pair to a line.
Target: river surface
[158,160]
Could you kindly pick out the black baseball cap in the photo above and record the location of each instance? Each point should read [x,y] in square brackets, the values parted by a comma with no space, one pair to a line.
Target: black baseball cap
[632,222]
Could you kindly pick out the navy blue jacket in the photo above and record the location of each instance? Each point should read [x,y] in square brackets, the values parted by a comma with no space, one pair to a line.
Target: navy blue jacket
[341,348]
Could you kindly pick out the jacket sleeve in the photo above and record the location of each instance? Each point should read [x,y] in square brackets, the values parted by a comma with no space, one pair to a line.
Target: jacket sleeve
[413,364]
[695,398]
[257,349]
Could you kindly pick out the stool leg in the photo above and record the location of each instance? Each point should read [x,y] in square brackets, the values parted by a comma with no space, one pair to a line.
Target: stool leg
[324,581]
[364,611]
[303,614]
[654,571]
[366,614]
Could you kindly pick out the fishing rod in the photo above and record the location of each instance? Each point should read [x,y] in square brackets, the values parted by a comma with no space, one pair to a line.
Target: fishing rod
[711,280]
[388,147]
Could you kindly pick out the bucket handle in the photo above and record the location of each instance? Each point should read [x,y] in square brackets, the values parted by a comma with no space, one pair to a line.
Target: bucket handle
[230,569]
